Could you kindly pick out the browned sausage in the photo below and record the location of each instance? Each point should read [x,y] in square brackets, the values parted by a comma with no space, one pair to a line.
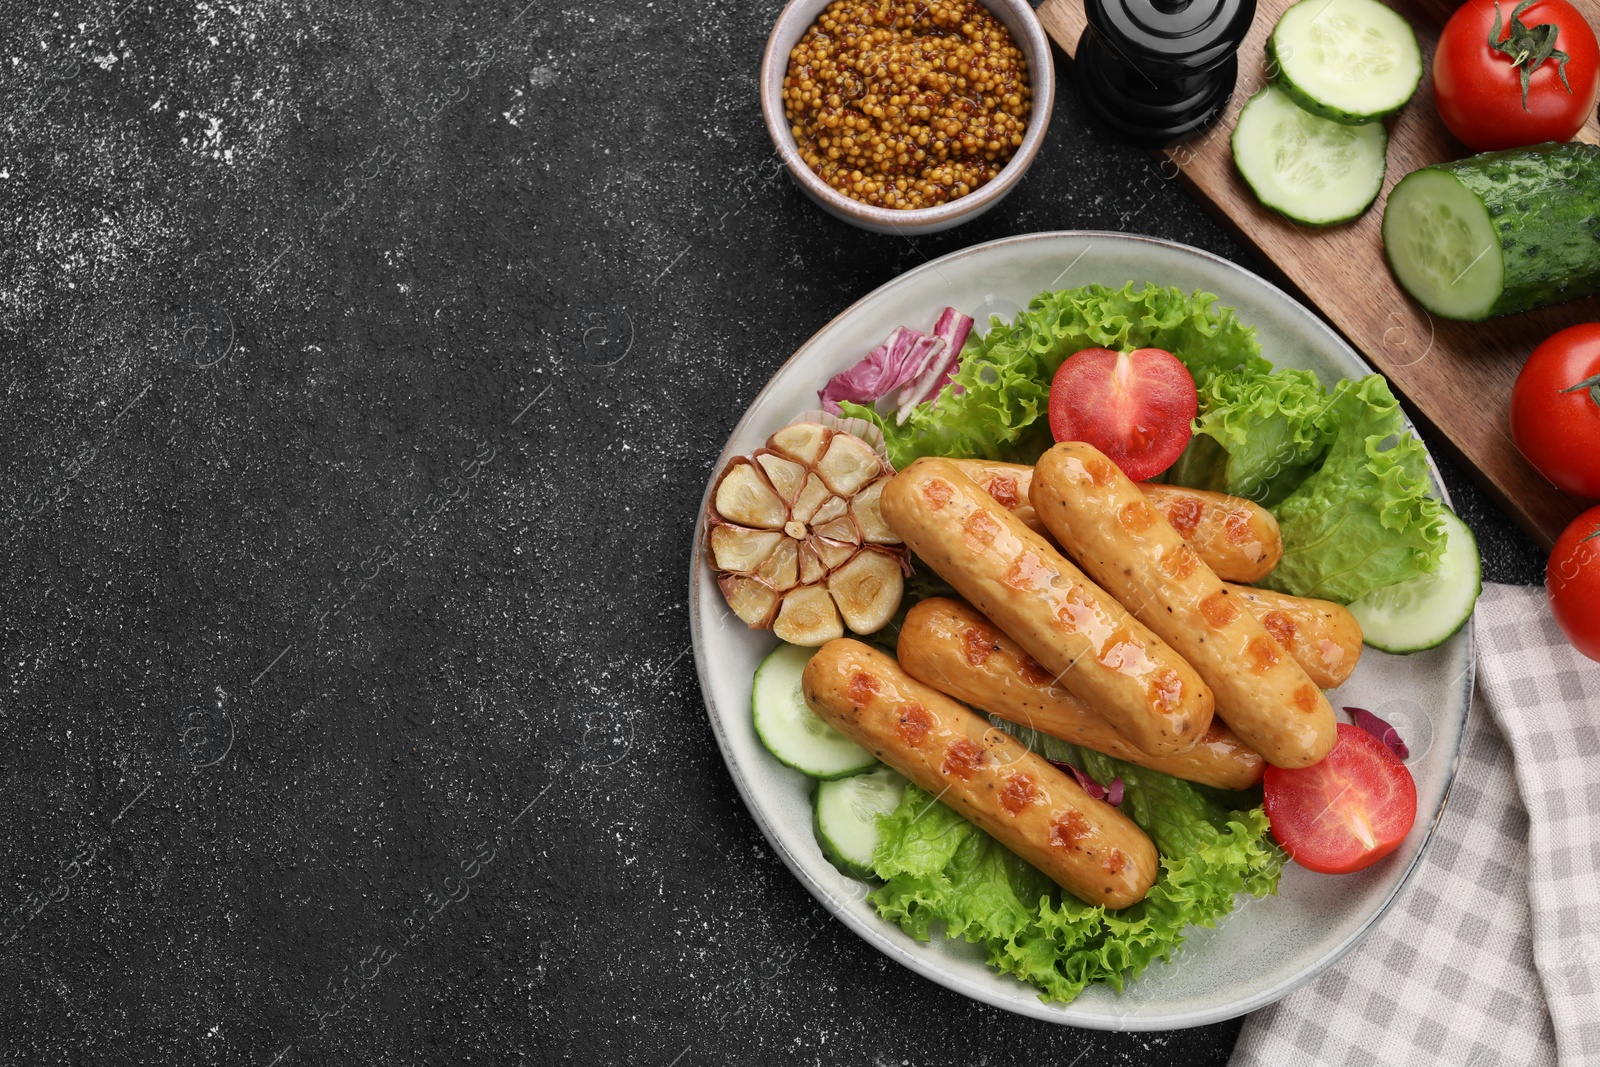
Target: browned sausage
[1102,518]
[1085,846]
[1238,539]
[952,647]
[1323,637]
[1017,578]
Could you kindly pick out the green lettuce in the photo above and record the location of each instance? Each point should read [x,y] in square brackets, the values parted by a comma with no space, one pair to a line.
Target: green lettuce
[1363,519]
[941,871]
[1000,409]
[1258,435]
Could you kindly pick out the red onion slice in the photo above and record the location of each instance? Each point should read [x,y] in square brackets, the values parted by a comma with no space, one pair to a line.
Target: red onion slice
[1381,730]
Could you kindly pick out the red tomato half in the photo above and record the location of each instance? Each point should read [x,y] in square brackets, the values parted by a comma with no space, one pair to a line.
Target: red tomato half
[1572,578]
[1136,407]
[1347,812]
[1555,409]
[1478,88]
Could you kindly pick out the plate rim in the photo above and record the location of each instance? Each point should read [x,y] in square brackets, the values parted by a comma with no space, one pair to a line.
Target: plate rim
[878,933]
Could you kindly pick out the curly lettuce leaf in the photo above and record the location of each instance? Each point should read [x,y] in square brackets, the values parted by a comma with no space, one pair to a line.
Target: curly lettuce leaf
[1000,410]
[938,869]
[1363,519]
[1258,435]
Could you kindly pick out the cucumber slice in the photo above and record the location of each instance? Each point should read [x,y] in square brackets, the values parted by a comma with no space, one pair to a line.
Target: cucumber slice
[1498,233]
[847,811]
[1427,611]
[790,730]
[1307,168]
[1351,61]
[1441,245]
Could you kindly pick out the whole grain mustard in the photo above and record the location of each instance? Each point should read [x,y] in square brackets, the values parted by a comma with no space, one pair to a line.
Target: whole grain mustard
[907,104]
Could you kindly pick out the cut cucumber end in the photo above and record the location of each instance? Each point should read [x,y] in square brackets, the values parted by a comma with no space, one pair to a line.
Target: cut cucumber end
[1425,612]
[1441,245]
[790,730]
[1348,61]
[845,817]
[1304,167]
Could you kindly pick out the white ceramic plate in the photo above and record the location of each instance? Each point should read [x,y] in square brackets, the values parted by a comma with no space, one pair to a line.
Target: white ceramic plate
[1265,948]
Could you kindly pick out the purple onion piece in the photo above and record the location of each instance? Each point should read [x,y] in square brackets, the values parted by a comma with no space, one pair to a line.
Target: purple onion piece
[1114,794]
[954,328]
[913,365]
[928,355]
[887,367]
[1095,790]
[1381,730]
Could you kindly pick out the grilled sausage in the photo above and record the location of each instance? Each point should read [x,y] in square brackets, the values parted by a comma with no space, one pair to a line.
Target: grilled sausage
[1238,539]
[1102,518]
[952,647]
[1017,578]
[1323,637]
[1085,846]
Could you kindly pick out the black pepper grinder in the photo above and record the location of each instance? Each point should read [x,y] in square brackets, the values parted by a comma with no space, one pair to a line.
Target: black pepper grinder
[1160,71]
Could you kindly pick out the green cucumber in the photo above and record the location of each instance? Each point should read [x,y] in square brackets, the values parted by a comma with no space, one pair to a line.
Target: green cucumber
[1307,168]
[846,812]
[1498,233]
[790,730]
[1425,612]
[1350,61]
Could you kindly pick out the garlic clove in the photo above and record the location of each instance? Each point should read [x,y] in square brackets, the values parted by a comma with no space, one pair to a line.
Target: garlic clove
[811,498]
[811,568]
[744,497]
[831,509]
[833,554]
[842,529]
[804,441]
[808,617]
[751,601]
[849,465]
[786,475]
[868,590]
[781,569]
[741,551]
[868,514]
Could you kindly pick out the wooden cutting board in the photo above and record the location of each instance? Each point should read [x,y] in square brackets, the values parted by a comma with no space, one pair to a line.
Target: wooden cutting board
[1456,377]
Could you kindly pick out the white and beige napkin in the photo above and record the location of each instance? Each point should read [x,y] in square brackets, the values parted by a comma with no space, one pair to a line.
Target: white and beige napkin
[1492,953]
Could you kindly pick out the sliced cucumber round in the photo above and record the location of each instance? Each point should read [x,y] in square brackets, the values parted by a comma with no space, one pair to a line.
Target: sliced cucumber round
[790,730]
[847,811]
[1441,245]
[1425,612]
[1306,168]
[1351,61]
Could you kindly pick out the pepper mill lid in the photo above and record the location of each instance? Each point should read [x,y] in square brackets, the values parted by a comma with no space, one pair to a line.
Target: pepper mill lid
[1160,71]
[1176,37]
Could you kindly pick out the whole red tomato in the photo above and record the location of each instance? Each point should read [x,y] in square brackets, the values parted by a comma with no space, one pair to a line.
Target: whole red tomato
[1572,578]
[1499,78]
[1555,410]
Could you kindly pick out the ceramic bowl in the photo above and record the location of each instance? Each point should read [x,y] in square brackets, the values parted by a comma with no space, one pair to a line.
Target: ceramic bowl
[1018,17]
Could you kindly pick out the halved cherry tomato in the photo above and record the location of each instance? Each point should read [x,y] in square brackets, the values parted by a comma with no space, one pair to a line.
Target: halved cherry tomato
[1572,578]
[1347,812]
[1136,407]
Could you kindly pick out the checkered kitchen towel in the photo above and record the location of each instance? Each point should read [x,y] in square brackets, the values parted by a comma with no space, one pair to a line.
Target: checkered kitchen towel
[1492,953]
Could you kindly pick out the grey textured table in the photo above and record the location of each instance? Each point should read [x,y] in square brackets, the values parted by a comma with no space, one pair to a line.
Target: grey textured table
[364,366]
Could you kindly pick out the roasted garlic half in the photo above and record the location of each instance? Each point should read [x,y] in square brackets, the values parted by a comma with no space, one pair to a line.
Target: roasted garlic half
[797,540]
